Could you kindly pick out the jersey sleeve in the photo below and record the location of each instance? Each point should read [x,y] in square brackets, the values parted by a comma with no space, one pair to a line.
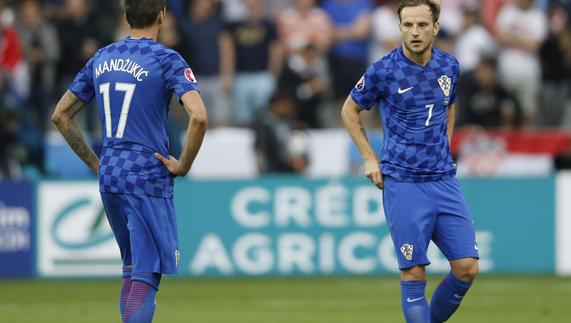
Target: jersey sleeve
[368,90]
[178,75]
[455,79]
[82,85]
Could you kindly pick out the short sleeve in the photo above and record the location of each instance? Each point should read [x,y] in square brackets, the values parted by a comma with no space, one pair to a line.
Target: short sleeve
[82,85]
[369,88]
[455,79]
[178,75]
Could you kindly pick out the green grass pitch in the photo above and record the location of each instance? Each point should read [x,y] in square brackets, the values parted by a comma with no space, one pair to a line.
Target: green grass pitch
[501,299]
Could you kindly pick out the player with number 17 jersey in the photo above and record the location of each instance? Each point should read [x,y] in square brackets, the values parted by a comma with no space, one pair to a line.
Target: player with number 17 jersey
[413,101]
[139,76]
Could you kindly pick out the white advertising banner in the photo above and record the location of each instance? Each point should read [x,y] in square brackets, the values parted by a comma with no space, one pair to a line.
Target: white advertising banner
[74,236]
[563,224]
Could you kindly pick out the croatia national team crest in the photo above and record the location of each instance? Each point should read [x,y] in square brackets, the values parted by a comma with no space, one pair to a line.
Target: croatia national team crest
[407,250]
[189,75]
[445,83]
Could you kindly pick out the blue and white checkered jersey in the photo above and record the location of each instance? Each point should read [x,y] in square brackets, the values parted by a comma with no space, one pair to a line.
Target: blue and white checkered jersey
[413,101]
[133,81]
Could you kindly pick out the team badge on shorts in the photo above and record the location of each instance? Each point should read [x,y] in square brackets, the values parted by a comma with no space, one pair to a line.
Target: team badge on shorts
[445,82]
[407,250]
[177,257]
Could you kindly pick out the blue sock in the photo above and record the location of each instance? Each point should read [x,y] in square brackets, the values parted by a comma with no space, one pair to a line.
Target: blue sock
[447,298]
[141,303]
[125,289]
[414,304]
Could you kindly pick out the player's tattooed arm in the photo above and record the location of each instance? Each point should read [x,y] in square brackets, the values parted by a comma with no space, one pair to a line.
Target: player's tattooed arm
[64,119]
[351,120]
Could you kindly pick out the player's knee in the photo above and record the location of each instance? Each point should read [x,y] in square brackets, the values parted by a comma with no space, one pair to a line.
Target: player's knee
[473,271]
[466,269]
[413,273]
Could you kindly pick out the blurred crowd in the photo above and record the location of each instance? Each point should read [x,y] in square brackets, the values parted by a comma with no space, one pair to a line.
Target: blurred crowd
[284,66]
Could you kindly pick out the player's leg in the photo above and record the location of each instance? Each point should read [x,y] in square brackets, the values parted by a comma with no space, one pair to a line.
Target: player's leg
[115,209]
[451,291]
[413,298]
[410,217]
[141,303]
[126,284]
[454,234]
[154,242]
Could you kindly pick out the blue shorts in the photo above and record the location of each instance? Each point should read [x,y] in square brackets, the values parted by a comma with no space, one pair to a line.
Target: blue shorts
[419,212]
[145,230]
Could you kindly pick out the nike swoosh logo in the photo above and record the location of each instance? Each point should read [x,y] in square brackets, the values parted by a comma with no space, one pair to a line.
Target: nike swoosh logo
[412,300]
[400,91]
[458,296]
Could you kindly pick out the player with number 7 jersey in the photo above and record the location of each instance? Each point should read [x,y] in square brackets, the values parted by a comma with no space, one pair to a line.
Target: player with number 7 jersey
[414,88]
[414,102]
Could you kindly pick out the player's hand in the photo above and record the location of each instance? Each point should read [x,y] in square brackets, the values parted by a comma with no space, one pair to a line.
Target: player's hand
[172,164]
[373,172]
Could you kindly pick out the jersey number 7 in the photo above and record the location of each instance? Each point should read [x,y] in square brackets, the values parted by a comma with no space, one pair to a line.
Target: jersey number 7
[129,89]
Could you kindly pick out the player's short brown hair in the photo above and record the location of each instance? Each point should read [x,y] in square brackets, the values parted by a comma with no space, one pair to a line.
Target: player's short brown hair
[143,13]
[434,7]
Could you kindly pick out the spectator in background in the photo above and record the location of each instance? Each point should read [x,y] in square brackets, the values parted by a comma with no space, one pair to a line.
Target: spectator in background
[564,4]
[489,13]
[13,66]
[178,118]
[305,78]
[386,33]
[106,15]
[204,48]
[303,24]
[280,143]
[521,29]
[254,61]
[233,10]
[555,54]
[80,37]
[473,42]
[9,166]
[483,101]
[445,41]
[14,90]
[349,54]
[40,44]
[275,7]
[451,16]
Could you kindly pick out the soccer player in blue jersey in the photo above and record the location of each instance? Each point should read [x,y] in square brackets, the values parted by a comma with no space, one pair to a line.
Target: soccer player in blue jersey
[133,81]
[414,88]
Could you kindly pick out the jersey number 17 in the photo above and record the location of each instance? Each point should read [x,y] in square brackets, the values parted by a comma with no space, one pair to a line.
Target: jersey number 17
[129,89]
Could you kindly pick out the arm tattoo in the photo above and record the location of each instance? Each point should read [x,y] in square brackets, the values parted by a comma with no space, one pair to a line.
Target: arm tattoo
[68,106]
[72,134]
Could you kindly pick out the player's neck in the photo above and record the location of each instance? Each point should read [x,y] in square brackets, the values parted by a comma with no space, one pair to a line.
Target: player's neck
[420,59]
[151,32]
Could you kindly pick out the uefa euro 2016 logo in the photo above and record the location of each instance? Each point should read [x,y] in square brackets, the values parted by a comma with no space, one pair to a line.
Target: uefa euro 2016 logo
[445,83]
[407,250]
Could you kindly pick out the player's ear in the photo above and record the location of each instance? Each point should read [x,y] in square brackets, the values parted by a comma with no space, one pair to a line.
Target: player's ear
[436,28]
[161,16]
